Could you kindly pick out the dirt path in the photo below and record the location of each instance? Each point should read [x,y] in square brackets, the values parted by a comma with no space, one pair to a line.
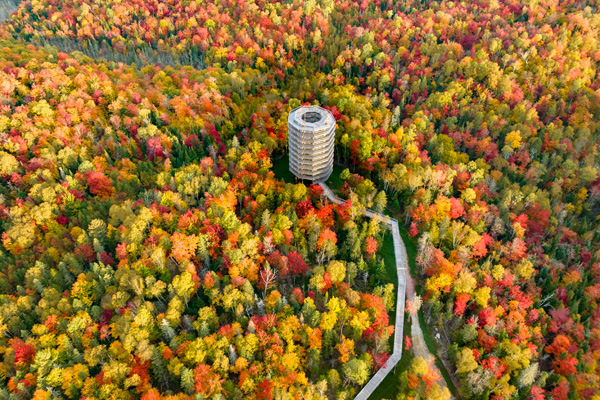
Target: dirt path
[419,346]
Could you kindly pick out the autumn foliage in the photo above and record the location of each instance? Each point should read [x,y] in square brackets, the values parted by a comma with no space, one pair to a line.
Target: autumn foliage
[139,207]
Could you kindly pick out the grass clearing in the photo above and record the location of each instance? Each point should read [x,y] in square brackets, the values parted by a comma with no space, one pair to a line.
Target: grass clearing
[386,251]
[411,251]
[281,169]
[334,182]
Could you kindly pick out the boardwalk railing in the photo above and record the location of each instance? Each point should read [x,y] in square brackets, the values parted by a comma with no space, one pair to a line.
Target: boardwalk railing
[401,267]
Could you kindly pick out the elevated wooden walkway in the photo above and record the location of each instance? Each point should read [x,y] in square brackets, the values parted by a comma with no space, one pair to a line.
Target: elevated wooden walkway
[401,267]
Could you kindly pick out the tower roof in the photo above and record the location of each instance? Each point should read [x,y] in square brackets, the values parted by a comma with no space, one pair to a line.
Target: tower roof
[310,118]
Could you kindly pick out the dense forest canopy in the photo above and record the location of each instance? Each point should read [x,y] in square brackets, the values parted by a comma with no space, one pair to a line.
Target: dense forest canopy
[149,250]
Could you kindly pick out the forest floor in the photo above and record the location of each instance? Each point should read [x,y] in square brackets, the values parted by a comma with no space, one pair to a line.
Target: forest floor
[281,169]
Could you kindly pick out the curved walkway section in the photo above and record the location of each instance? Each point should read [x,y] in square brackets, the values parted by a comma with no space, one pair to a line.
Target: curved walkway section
[401,267]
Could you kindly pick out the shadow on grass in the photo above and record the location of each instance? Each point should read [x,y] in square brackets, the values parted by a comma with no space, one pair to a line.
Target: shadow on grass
[281,169]
[334,181]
